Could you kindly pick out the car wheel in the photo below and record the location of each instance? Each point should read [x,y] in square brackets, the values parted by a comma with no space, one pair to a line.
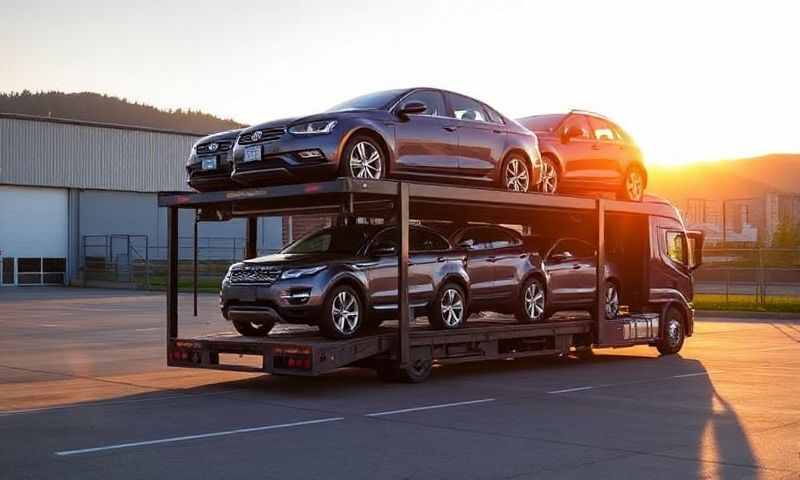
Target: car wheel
[612,300]
[634,184]
[449,308]
[673,335]
[549,180]
[516,174]
[250,329]
[364,158]
[531,304]
[343,313]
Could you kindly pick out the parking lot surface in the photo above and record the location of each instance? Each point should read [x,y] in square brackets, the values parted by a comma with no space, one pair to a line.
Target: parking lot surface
[85,393]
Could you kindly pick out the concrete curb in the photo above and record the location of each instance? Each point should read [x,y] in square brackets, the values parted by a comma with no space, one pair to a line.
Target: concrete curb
[735,314]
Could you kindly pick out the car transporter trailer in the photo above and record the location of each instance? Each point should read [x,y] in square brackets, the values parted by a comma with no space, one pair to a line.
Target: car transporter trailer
[406,351]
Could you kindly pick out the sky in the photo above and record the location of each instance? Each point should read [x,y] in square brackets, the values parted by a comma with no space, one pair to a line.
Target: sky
[697,80]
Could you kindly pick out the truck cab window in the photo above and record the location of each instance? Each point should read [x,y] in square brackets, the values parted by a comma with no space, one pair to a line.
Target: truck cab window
[676,247]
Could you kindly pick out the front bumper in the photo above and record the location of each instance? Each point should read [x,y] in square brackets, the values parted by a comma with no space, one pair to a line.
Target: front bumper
[285,301]
[210,180]
[280,161]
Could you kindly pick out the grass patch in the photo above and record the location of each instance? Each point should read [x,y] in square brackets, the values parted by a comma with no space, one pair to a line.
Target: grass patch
[747,303]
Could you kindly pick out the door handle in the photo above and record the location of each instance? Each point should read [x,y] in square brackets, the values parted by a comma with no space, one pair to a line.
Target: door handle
[491,259]
[576,266]
[497,131]
[523,255]
[595,147]
[450,129]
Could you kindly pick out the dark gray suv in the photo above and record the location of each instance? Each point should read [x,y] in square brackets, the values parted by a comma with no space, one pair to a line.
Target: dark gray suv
[344,279]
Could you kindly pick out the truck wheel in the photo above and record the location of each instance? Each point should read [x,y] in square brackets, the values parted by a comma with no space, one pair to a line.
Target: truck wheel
[342,313]
[531,304]
[250,329]
[449,308]
[673,335]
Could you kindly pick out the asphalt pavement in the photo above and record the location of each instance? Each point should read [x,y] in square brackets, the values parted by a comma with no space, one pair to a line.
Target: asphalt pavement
[85,393]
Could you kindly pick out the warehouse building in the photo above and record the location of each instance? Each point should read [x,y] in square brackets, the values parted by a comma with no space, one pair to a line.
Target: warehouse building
[72,191]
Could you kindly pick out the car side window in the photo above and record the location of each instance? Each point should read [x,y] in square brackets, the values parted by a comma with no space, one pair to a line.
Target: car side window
[494,117]
[432,99]
[580,122]
[573,248]
[502,239]
[387,237]
[424,240]
[466,108]
[603,130]
[676,247]
[481,240]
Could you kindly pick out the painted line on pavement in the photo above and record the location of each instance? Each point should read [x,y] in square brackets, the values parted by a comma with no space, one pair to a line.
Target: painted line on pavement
[429,407]
[567,390]
[184,438]
[146,329]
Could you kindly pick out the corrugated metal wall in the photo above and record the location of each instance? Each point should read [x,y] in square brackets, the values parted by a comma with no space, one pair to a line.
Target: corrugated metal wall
[43,153]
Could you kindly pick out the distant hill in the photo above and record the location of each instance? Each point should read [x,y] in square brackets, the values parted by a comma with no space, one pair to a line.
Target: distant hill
[726,179]
[94,107]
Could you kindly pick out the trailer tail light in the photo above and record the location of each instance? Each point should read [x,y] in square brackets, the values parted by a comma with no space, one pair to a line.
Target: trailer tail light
[294,357]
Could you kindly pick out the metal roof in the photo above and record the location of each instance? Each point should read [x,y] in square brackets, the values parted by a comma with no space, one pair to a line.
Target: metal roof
[52,152]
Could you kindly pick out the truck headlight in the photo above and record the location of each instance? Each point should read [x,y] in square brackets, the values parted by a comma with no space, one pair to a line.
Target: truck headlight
[301,272]
[313,128]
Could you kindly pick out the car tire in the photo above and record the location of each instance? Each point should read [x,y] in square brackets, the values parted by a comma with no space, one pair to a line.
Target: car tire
[343,313]
[516,173]
[250,329]
[612,295]
[673,334]
[449,309]
[363,158]
[550,177]
[633,186]
[532,301]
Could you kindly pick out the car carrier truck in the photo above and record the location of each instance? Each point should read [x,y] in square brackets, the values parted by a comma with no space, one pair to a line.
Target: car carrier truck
[648,239]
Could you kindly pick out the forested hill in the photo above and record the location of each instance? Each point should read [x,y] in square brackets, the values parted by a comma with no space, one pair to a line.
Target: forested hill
[94,107]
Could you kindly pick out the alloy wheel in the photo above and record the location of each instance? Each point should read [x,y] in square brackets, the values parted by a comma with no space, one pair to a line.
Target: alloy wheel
[452,308]
[612,301]
[517,177]
[366,161]
[549,181]
[344,312]
[634,185]
[534,301]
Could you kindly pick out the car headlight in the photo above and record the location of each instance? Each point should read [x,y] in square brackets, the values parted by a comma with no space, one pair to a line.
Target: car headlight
[313,128]
[301,272]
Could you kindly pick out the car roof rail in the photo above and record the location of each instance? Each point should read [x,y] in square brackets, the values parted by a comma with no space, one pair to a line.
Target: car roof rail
[590,113]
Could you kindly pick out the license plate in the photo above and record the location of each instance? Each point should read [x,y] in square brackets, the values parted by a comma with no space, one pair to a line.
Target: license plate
[210,163]
[252,154]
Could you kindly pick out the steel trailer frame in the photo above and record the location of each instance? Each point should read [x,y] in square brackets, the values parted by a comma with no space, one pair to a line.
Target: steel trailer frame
[406,346]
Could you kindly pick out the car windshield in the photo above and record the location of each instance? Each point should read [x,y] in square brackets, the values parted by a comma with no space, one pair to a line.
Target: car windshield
[372,101]
[337,240]
[542,123]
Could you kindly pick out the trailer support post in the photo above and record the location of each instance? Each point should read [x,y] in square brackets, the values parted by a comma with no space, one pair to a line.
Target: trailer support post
[402,280]
[251,245]
[600,302]
[194,265]
[172,274]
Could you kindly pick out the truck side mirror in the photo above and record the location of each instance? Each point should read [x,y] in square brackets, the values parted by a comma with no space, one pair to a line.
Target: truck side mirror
[695,241]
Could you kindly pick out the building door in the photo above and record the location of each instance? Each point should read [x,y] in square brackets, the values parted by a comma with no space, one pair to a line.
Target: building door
[7,271]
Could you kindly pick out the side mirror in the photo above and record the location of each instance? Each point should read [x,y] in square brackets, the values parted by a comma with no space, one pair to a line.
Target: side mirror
[468,243]
[411,108]
[570,133]
[383,249]
[695,241]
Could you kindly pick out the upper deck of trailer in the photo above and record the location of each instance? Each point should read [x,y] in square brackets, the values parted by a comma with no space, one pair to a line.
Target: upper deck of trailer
[429,201]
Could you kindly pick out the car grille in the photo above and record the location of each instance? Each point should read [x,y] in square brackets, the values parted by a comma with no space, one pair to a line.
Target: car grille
[267,135]
[222,147]
[255,274]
